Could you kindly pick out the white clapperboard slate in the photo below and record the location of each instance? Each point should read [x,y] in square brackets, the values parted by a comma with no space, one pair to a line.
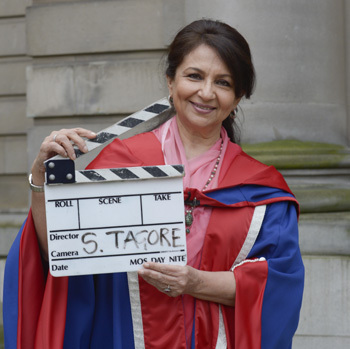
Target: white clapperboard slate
[114,220]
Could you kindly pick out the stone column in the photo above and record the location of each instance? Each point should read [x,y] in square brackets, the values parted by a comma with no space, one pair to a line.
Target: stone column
[13,126]
[95,61]
[298,50]
[347,53]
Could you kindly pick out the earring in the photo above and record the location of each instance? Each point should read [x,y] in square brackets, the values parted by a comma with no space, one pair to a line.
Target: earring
[233,113]
[171,101]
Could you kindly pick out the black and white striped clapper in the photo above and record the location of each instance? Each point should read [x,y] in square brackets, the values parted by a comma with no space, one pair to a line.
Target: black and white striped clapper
[129,173]
[63,170]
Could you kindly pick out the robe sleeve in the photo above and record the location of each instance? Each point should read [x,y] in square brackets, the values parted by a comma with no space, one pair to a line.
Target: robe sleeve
[24,284]
[35,303]
[269,284]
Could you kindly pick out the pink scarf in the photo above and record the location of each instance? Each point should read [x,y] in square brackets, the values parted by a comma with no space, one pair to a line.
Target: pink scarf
[197,172]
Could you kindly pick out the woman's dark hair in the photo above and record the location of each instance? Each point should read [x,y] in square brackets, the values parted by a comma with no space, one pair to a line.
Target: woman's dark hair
[231,47]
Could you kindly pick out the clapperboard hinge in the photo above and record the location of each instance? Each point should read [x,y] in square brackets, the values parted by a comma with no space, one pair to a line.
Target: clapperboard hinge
[60,170]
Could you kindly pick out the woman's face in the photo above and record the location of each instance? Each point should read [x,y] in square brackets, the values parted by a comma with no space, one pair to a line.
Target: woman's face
[203,92]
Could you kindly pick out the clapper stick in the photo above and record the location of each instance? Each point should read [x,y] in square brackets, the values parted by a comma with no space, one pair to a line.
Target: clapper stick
[114,220]
[62,170]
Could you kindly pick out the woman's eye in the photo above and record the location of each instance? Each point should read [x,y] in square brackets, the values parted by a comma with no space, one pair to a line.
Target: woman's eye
[194,76]
[224,83]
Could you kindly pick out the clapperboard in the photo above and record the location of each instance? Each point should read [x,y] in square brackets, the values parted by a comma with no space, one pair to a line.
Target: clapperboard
[114,220]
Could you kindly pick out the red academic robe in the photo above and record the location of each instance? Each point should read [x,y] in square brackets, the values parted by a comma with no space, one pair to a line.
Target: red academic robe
[252,231]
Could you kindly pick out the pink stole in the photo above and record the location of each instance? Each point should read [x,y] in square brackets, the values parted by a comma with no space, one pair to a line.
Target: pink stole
[197,172]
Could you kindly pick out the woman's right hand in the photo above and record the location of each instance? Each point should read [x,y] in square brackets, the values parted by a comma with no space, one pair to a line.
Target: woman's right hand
[59,143]
[62,143]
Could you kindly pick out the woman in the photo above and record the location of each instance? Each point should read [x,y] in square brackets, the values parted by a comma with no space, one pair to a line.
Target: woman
[242,287]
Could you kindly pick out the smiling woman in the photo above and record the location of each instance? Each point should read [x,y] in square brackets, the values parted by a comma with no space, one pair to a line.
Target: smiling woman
[203,95]
[228,48]
[243,282]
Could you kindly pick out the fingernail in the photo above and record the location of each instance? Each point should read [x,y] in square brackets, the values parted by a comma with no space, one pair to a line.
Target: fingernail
[85,148]
[146,265]
[93,134]
[73,156]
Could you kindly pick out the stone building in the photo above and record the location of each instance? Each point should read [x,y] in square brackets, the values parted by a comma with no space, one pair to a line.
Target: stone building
[67,63]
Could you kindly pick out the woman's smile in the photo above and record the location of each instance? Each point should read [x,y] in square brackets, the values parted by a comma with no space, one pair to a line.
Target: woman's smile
[203,92]
[202,107]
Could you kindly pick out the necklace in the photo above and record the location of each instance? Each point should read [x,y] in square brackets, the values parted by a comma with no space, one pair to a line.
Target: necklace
[188,213]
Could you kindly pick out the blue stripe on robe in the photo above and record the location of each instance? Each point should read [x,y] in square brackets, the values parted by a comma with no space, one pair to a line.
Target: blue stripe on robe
[250,193]
[99,312]
[278,243]
[10,297]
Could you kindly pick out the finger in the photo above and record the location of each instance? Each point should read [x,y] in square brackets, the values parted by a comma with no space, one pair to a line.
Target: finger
[152,280]
[157,279]
[76,136]
[49,148]
[163,285]
[64,143]
[67,137]
[171,270]
[58,149]
[83,132]
[157,276]
[60,143]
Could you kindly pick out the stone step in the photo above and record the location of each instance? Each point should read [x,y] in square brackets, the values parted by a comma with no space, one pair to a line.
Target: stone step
[317,173]
[325,234]
[322,199]
[293,154]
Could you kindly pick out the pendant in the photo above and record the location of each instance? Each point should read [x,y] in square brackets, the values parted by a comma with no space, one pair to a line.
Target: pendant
[188,219]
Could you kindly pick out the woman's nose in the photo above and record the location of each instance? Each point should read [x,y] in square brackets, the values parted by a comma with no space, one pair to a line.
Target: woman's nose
[206,91]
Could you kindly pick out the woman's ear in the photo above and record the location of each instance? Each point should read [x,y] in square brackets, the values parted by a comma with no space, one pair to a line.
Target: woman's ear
[236,102]
[170,85]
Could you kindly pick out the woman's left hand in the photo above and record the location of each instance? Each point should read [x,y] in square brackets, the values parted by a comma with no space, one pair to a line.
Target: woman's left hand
[174,280]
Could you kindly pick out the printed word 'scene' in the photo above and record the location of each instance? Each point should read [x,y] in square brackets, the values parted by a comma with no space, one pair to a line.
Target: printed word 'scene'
[109,201]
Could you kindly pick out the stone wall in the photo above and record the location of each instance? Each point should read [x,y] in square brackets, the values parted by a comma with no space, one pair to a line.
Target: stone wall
[299,52]
[68,63]
[13,125]
[319,175]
